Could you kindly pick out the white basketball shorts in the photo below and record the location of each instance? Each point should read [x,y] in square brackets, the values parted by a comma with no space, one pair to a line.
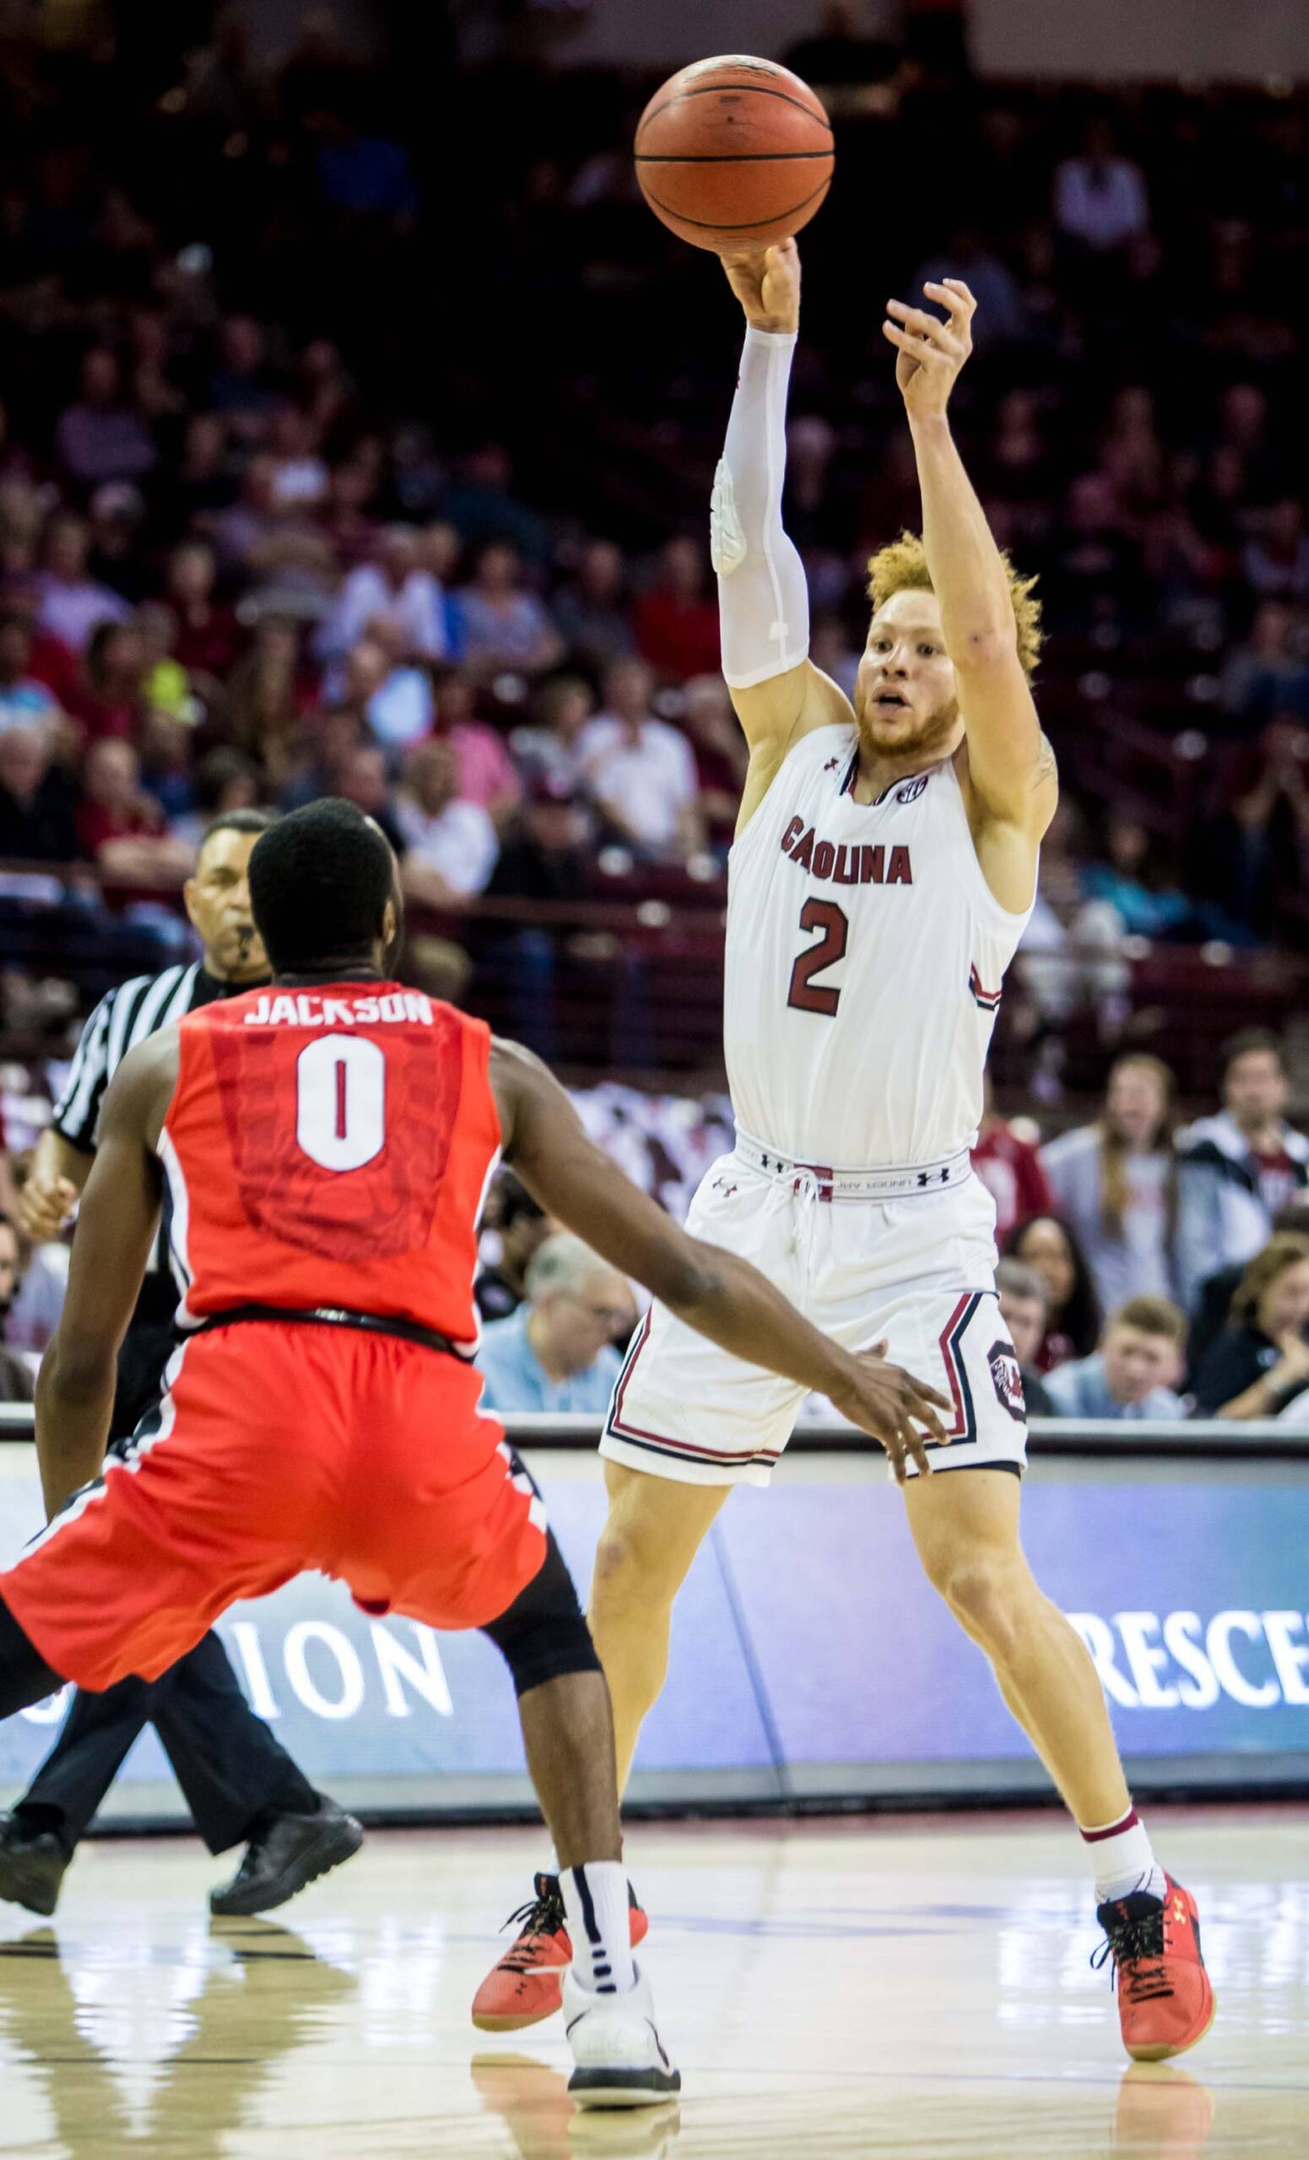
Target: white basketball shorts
[917,1271]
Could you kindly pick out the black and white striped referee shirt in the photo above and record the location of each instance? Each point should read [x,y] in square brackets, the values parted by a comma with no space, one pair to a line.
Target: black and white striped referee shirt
[123,1018]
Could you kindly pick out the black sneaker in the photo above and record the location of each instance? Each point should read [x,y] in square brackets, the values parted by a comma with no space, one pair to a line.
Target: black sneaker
[32,1866]
[286,1854]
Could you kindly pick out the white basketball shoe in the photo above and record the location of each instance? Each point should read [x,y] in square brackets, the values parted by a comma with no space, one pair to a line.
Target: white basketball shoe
[621,2061]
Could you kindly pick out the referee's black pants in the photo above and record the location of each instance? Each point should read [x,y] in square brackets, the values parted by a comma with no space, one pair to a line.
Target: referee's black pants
[230,1768]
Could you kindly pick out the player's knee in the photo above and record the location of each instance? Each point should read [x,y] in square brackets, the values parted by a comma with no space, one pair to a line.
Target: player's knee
[980,1593]
[627,1572]
[543,1635]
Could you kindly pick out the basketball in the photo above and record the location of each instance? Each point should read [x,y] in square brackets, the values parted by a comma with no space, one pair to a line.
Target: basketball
[734,153]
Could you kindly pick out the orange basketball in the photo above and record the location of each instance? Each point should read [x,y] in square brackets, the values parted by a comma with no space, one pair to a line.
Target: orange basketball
[734,153]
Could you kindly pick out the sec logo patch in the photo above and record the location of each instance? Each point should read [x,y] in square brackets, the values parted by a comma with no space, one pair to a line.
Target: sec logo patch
[911,790]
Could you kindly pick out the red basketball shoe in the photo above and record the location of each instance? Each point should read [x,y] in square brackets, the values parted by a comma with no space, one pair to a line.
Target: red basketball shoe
[527,1984]
[1165,2002]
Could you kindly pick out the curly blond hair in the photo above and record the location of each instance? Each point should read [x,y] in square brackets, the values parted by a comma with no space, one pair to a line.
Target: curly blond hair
[902,567]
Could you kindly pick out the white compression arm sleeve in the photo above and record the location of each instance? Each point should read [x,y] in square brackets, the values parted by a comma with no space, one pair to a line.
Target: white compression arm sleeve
[763,601]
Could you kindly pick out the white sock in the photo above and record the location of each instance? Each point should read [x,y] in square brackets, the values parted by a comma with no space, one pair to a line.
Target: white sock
[595,1900]
[1124,1859]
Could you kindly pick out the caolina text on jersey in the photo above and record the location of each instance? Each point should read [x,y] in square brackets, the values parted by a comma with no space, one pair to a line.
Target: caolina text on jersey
[309,1008]
[844,865]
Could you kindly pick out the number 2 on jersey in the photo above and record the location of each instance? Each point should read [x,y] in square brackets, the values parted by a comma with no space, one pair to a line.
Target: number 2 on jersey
[805,995]
[340,1101]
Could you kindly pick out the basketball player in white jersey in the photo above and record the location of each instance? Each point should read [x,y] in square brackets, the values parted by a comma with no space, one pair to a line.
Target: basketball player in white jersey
[883,872]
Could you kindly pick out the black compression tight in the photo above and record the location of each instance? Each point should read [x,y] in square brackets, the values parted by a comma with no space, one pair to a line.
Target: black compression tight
[543,1635]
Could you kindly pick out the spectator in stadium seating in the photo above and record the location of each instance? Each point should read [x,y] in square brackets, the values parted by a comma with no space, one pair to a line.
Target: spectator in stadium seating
[1093,576]
[365,177]
[545,854]
[1269,673]
[114,555]
[547,747]
[121,827]
[1135,1371]
[1100,199]
[450,843]
[641,772]
[1243,435]
[396,585]
[522,1227]
[393,697]
[999,309]
[187,495]
[1133,879]
[1214,1302]
[36,812]
[362,778]
[556,1351]
[208,640]
[487,774]
[1259,842]
[109,702]
[1236,1169]
[1010,1168]
[71,601]
[500,624]
[591,609]
[346,519]
[263,703]
[239,390]
[1260,1361]
[1072,1325]
[24,702]
[482,506]
[1024,1303]
[1115,1182]
[225,779]
[299,474]
[1275,563]
[545,857]
[675,619]
[102,436]
[329,741]
[721,756]
[244,528]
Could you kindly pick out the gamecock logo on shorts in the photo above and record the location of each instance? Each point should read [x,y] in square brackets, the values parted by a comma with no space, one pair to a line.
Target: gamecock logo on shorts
[1008,1380]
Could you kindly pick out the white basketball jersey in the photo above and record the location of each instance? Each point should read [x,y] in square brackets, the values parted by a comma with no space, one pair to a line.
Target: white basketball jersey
[865,955]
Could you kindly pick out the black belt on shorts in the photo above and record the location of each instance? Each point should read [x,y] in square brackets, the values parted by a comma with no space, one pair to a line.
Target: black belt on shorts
[334,1316]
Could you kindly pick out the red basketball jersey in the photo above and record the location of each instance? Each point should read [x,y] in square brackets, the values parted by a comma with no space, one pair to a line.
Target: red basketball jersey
[331,1147]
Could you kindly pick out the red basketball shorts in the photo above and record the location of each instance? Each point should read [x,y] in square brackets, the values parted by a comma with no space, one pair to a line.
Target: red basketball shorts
[279,1448]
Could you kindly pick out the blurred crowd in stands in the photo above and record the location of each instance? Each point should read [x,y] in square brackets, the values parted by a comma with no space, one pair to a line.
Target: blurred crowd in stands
[357,424]
[306,484]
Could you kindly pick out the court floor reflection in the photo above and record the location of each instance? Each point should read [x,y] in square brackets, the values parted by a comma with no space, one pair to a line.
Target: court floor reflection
[900,1989]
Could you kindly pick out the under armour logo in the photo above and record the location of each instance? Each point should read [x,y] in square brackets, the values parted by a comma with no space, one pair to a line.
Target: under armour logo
[831,764]
[724,1189]
[928,1177]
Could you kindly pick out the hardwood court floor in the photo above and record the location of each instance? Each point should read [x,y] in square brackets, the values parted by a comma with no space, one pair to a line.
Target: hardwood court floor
[908,1988]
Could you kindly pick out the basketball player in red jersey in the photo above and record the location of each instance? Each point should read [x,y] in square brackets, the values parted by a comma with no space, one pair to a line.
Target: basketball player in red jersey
[326,1145]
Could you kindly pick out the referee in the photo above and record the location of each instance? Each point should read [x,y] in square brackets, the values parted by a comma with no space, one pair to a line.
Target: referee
[240,1785]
